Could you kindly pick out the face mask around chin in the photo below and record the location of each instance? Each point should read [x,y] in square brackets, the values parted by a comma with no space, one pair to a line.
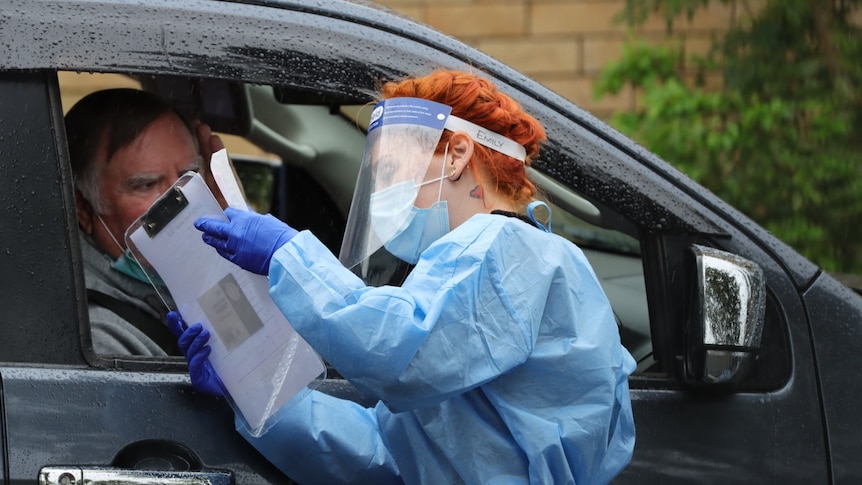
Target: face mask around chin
[127,265]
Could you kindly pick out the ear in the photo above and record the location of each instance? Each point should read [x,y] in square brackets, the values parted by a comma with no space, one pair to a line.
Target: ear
[85,212]
[460,154]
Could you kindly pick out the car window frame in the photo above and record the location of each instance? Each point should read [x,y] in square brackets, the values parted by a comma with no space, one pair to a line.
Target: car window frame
[583,153]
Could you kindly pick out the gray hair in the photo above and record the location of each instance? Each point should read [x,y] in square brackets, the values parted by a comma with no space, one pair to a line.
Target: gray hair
[112,118]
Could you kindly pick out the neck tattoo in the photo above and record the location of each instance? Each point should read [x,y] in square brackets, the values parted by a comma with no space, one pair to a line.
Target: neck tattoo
[476,193]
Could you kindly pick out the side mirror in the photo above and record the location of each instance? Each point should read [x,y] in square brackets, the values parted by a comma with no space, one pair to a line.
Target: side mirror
[725,317]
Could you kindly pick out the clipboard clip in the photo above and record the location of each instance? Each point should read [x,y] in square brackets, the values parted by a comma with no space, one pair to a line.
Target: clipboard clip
[164,210]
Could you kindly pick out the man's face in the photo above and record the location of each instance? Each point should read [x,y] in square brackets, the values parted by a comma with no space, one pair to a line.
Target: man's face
[138,174]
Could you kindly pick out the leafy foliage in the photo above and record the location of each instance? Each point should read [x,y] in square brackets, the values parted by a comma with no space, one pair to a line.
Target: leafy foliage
[780,137]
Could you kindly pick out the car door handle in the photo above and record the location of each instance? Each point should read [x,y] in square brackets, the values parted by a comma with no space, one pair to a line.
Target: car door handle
[70,475]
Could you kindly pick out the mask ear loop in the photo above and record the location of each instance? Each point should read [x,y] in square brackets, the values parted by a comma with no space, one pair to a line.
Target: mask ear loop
[111,234]
[531,208]
[147,274]
[442,172]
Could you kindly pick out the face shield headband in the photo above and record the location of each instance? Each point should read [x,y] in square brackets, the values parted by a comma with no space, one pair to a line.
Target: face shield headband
[402,140]
[488,138]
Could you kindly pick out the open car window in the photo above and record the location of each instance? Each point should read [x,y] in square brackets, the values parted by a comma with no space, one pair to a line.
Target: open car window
[298,158]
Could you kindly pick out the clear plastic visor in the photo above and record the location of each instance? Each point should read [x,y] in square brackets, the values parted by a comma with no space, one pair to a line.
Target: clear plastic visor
[402,138]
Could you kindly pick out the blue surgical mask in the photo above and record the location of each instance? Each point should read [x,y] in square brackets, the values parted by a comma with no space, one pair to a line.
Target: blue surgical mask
[391,209]
[424,227]
[406,234]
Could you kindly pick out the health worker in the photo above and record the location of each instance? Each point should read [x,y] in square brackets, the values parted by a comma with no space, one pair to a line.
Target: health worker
[498,360]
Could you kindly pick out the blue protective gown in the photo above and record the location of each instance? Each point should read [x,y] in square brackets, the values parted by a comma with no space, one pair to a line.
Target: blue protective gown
[497,361]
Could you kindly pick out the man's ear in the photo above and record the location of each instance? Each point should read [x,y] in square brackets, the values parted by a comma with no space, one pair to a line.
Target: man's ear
[85,212]
[460,154]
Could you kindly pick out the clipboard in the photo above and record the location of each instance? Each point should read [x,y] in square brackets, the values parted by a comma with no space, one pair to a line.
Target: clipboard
[260,359]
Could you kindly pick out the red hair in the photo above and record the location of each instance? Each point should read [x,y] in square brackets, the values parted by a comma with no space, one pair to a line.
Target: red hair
[477,99]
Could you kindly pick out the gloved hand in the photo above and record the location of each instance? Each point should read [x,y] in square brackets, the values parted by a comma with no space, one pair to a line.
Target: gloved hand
[193,343]
[248,240]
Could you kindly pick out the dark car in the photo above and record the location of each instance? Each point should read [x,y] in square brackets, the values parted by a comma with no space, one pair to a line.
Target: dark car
[748,354]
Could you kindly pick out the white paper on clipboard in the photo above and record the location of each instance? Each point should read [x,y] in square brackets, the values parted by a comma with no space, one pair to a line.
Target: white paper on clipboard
[226,179]
[261,360]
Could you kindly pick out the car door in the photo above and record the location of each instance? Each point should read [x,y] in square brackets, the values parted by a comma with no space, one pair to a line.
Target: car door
[64,411]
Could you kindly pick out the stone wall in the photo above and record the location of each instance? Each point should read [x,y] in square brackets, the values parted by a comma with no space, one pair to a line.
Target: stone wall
[562,43]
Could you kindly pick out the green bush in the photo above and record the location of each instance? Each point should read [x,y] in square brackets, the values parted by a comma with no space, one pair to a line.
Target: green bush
[780,139]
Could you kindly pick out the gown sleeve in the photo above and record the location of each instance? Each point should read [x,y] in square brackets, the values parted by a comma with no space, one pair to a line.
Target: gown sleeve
[460,319]
[321,439]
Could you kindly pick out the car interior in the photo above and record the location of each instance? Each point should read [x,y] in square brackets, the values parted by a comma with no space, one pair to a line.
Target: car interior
[298,154]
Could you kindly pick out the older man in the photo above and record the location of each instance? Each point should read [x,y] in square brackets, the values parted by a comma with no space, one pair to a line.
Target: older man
[127,147]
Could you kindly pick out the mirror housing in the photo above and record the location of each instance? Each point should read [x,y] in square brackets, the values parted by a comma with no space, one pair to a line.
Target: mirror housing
[726,316]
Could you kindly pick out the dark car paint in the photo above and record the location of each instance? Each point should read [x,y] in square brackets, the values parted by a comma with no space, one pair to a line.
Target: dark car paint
[58,409]
[794,421]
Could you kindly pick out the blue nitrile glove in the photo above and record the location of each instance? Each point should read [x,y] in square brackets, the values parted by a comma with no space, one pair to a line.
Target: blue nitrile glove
[193,343]
[248,240]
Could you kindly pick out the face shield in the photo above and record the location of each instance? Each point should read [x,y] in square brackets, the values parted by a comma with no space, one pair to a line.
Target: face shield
[402,138]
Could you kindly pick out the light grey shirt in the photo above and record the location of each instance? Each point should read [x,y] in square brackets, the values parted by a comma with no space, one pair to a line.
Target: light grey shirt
[111,333]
